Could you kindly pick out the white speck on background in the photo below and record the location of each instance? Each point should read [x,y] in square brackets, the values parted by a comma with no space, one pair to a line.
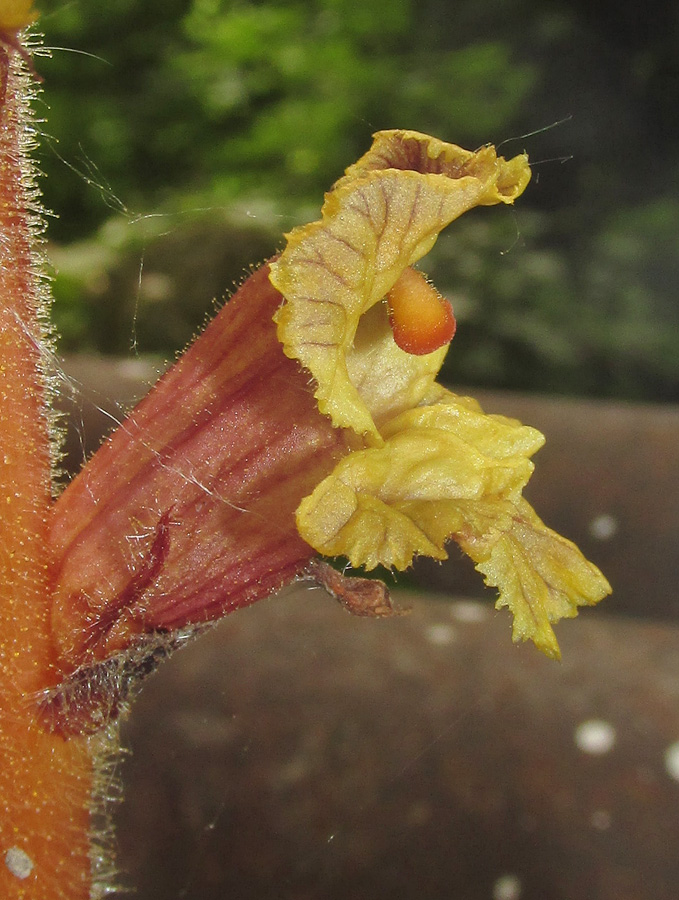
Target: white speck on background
[595,736]
[603,527]
[469,611]
[18,862]
[601,819]
[440,634]
[507,887]
[672,760]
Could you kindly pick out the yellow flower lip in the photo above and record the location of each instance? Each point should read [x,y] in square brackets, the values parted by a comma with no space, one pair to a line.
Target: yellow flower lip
[381,217]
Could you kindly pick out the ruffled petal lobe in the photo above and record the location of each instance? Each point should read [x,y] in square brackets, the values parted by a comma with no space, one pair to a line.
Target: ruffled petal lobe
[385,505]
[542,577]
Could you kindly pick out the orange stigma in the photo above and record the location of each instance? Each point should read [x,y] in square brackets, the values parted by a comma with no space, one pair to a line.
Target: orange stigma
[421,319]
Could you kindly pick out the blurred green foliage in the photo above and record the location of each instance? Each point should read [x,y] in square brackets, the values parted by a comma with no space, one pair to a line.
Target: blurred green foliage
[184,136]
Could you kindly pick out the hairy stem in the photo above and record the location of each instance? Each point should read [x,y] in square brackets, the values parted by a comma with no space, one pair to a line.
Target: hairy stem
[45,781]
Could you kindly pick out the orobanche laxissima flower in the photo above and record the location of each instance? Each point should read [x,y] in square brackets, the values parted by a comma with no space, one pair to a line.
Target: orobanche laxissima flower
[306,420]
[432,466]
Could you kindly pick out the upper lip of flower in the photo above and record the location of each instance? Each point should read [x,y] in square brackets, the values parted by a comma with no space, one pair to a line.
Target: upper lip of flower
[382,216]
